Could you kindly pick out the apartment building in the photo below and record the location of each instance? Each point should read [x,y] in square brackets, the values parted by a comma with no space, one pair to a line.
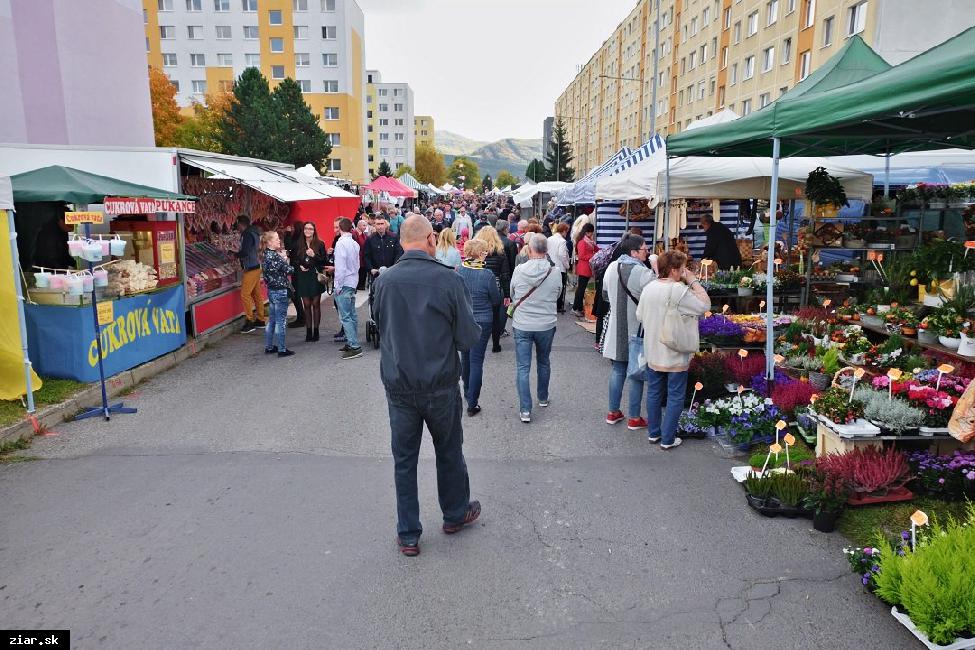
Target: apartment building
[390,123]
[670,62]
[423,130]
[203,45]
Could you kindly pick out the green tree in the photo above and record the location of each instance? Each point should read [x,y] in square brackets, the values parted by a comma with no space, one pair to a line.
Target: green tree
[383,170]
[505,179]
[487,184]
[302,142]
[464,171]
[430,166]
[202,130]
[536,171]
[405,169]
[560,155]
[253,126]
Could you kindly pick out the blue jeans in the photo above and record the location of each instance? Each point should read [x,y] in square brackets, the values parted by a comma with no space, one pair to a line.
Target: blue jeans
[345,303]
[675,384]
[441,411]
[523,355]
[277,318]
[472,366]
[617,378]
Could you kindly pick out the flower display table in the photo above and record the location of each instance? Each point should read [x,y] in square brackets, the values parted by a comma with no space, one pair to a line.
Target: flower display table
[829,441]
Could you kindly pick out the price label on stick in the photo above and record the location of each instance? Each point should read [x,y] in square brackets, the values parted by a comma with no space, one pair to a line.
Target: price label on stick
[724,310]
[707,314]
[827,302]
[780,425]
[919,518]
[698,386]
[761,305]
[778,358]
[741,389]
[789,439]
[743,353]
[858,373]
[894,374]
[946,368]
[775,448]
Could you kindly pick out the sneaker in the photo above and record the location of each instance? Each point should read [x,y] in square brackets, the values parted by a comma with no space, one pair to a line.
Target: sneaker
[352,353]
[635,424]
[344,348]
[474,410]
[270,350]
[526,416]
[652,439]
[286,353]
[675,443]
[577,313]
[615,416]
[339,338]
[473,512]
[248,327]
[259,324]
[544,402]
[409,549]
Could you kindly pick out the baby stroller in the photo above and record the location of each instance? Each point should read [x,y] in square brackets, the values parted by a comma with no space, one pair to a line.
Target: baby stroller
[372,330]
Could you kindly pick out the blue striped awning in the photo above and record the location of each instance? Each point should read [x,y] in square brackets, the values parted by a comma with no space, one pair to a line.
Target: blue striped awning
[649,148]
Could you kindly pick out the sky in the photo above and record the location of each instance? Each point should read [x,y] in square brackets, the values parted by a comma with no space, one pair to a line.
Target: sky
[486,69]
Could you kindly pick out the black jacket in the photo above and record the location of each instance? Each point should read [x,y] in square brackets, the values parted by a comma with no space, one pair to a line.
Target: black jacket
[498,263]
[424,318]
[722,247]
[382,250]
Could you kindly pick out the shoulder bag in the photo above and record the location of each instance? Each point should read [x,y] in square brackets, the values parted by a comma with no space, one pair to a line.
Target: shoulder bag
[679,331]
[515,305]
[636,362]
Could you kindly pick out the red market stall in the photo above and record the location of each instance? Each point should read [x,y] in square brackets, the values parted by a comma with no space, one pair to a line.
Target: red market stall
[390,186]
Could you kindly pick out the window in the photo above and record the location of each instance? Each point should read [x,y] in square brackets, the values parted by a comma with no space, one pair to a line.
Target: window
[749,70]
[857,18]
[225,60]
[335,139]
[768,59]
[165,5]
[706,15]
[737,32]
[399,121]
[724,58]
[693,25]
[328,5]
[399,136]
[753,23]
[330,60]
[805,59]
[783,90]
[790,6]
[223,33]
[733,75]
[300,5]
[397,92]
[145,16]
[194,32]
[250,33]
[331,113]
[252,60]
[398,107]
[400,151]
[727,18]
[167,32]
[277,72]
[700,89]
[249,5]
[221,5]
[334,165]
[384,151]
[277,45]
[198,60]
[175,84]
[399,164]
[704,53]
[771,12]
[331,86]
[369,114]
[330,32]
[808,13]
[301,32]
[274,17]
[692,61]
[383,121]
[194,5]
[786,51]
[828,31]
[302,60]
[169,60]
[711,85]
[746,107]
[721,96]
[383,92]
[199,87]
[764,100]
[384,107]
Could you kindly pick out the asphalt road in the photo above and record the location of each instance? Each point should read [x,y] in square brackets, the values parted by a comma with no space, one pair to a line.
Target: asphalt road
[249,504]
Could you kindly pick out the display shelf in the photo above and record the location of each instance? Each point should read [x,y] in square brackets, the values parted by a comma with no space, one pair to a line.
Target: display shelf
[209,271]
[934,347]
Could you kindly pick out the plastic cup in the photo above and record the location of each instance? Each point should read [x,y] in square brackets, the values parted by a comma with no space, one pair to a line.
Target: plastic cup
[42,280]
[117,246]
[74,284]
[75,247]
[88,282]
[56,281]
[100,278]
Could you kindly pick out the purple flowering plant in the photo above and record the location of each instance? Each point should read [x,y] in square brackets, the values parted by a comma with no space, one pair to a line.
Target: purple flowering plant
[950,477]
[718,326]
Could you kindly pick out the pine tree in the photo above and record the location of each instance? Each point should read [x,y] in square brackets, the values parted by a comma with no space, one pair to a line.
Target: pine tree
[303,142]
[384,170]
[560,155]
[253,126]
[536,171]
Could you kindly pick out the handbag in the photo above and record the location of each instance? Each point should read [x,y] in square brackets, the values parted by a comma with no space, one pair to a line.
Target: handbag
[679,331]
[636,361]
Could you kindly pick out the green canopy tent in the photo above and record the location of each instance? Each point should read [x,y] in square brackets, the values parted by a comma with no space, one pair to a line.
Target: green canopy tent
[57,183]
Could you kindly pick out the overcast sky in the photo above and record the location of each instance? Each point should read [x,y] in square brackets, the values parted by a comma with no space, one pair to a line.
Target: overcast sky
[486,69]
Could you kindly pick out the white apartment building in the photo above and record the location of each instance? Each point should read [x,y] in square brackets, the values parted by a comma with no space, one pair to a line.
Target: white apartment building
[391,133]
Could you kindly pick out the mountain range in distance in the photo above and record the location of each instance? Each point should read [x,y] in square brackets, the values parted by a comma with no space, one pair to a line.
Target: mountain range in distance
[509,154]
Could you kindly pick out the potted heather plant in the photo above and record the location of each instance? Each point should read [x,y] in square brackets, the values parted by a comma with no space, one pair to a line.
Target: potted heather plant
[873,475]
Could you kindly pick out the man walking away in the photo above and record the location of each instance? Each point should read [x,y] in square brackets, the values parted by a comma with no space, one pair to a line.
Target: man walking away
[346,278]
[250,285]
[424,319]
[535,288]
[720,245]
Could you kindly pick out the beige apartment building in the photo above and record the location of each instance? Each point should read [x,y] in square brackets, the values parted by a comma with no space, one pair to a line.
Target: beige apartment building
[735,54]
[423,129]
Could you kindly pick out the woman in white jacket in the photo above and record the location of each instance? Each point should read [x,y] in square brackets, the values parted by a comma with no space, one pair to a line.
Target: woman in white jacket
[558,252]
[623,283]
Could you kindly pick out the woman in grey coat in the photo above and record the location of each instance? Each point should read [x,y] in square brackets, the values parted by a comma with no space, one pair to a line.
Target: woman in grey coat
[623,282]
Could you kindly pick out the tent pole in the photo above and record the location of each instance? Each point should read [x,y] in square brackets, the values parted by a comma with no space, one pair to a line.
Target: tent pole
[626,228]
[887,174]
[21,317]
[770,242]
[667,205]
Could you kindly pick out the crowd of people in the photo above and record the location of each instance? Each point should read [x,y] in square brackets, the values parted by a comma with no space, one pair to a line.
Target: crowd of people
[460,270]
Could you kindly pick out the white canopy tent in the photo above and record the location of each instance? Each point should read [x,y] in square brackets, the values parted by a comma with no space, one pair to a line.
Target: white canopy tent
[584,189]
[526,192]
[722,116]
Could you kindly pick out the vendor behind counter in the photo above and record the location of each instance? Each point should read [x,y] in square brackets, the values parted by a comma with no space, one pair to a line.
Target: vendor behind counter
[42,235]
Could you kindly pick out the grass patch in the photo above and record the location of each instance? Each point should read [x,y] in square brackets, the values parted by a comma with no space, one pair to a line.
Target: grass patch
[54,391]
[861,524]
[8,449]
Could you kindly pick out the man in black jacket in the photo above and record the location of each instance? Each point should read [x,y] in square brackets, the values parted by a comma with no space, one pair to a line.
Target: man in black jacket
[721,245]
[424,318]
[382,248]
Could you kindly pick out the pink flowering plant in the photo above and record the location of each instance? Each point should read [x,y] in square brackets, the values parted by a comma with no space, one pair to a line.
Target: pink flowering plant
[923,391]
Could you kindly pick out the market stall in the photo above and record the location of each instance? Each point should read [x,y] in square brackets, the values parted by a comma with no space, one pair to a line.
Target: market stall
[136,280]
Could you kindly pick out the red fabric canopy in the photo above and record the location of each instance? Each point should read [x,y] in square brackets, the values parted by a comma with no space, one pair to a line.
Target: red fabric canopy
[391,186]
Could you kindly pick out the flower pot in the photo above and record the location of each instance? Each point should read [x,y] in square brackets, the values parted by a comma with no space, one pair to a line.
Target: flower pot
[824,521]
[950,343]
[967,346]
[892,496]
[909,331]
[904,619]
[927,336]
[745,291]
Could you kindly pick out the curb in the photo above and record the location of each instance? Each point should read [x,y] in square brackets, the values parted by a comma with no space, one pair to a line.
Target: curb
[90,397]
